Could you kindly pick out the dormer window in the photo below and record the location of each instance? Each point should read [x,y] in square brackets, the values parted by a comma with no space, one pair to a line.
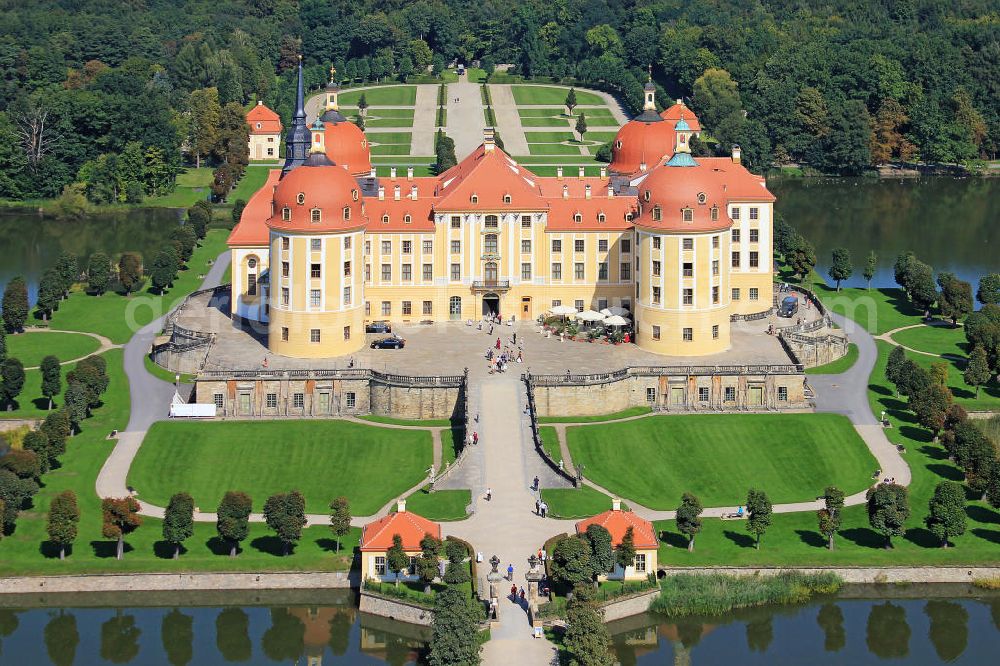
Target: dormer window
[702,197]
[300,198]
[407,219]
[385,219]
[506,198]
[618,145]
[286,213]
[715,213]
[687,214]
[474,199]
[657,213]
[645,196]
[315,215]
[354,195]
[601,217]
[578,218]
[628,217]
[347,213]
[258,125]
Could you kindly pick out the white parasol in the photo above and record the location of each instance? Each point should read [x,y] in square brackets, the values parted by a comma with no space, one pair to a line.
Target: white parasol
[615,310]
[590,315]
[563,310]
[616,320]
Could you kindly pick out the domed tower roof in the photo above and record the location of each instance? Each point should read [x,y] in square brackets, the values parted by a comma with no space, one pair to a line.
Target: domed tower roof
[332,113]
[642,141]
[682,126]
[347,145]
[680,111]
[317,184]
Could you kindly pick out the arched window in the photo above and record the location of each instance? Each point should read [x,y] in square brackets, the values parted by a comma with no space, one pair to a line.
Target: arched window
[628,217]
[646,195]
[347,213]
[601,217]
[258,125]
[687,215]
[316,216]
[490,243]
[491,222]
[354,194]
[578,218]
[407,219]
[385,219]
[301,197]
[251,276]
[618,144]
[657,213]
[715,213]
[286,213]
[506,198]
[684,139]
[474,199]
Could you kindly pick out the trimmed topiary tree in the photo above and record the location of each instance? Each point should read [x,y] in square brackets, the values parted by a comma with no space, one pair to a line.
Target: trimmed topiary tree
[63,522]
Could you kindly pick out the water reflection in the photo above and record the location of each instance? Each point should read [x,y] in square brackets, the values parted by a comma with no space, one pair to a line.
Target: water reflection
[120,639]
[831,631]
[177,632]
[61,639]
[232,635]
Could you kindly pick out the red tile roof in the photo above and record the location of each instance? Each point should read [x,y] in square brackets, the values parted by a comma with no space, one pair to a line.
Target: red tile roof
[321,185]
[411,528]
[562,213]
[252,227]
[347,146]
[263,120]
[490,176]
[681,110]
[639,142]
[420,209]
[617,523]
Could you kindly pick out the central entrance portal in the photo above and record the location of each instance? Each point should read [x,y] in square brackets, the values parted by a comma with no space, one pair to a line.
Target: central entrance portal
[491,305]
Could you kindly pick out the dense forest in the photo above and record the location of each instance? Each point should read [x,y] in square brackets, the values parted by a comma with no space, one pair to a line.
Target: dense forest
[115,90]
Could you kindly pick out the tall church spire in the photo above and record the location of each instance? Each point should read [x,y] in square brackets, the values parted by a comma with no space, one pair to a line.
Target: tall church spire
[297,139]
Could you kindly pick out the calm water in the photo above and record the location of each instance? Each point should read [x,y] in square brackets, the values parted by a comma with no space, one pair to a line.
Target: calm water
[841,631]
[953,224]
[31,243]
[284,628]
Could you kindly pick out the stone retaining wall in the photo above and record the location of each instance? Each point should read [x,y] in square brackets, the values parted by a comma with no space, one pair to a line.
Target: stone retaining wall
[395,609]
[175,582]
[628,606]
[859,575]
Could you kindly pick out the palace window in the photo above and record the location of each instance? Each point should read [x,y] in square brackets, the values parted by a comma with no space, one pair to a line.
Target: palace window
[646,195]
[715,295]
[456,221]
[347,213]
[284,296]
[315,297]
[525,221]
[578,304]
[736,235]
[656,242]
[715,331]
[556,246]
[314,336]
[506,198]
[602,270]
[386,247]
[347,332]
[386,272]
[315,216]
[735,261]
[286,213]
[456,247]
[386,308]
[491,222]
[687,215]
[525,246]
[736,293]
[284,269]
[578,245]
[625,271]
[657,213]
[602,245]
[715,213]
[407,272]
[355,195]
[715,267]
[407,247]
[702,197]
[687,243]
[368,247]
[729,394]
[601,217]
[407,219]
[715,242]
[526,271]
[734,213]
[702,394]
[578,271]
[656,336]
[688,269]
[754,293]
[557,271]
[347,269]
[688,334]
[456,272]
[754,259]
[640,561]
[688,295]
[251,284]
[218,400]
[347,242]
[300,198]
[347,295]
[428,272]
[625,246]
[556,303]
[428,307]
[380,566]
[782,394]
[428,247]
[315,244]
[656,295]
[368,272]
[656,269]
[489,243]
[350,399]
[407,308]
[271,400]
[578,218]
[474,199]
[754,213]
[315,271]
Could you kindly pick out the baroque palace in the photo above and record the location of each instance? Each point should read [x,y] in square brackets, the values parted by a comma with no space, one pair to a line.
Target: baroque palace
[682,242]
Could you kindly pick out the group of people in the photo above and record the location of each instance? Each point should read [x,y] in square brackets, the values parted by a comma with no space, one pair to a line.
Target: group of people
[500,355]
[541,508]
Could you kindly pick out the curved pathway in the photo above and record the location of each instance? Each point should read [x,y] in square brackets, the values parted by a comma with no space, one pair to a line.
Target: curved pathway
[106,344]
[887,337]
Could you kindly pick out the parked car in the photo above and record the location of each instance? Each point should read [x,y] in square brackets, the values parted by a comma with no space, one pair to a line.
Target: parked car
[378,327]
[789,306]
[392,342]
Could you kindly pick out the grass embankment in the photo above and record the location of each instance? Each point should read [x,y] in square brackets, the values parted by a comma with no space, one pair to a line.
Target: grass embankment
[26,551]
[117,317]
[581,502]
[717,594]
[842,364]
[162,373]
[442,505]
[550,442]
[418,423]
[719,456]
[321,459]
[381,96]
[552,95]
[31,347]
[253,179]
[597,418]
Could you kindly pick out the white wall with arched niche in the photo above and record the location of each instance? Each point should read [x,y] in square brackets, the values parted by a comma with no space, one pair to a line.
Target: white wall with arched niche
[249,292]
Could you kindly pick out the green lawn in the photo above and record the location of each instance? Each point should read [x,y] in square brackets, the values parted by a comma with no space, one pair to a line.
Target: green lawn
[382,96]
[877,310]
[842,364]
[544,122]
[600,118]
[30,403]
[419,423]
[597,418]
[401,114]
[548,137]
[322,459]
[550,442]
[117,317]
[934,339]
[391,149]
[388,122]
[534,95]
[542,113]
[965,395]
[390,137]
[581,502]
[164,374]
[253,179]
[441,505]
[192,185]
[719,456]
[451,444]
[30,348]
[552,149]
[600,137]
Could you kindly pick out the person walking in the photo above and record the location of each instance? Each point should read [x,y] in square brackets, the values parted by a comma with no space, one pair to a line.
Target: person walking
[475,437]
[535,484]
[498,344]
[538,507]
[513,592]
[545,509]
[489,493]
[510,575]
[521,594]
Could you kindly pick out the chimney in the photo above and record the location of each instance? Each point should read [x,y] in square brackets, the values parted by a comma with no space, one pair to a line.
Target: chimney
[642,166]
[611,190]
[381,193]
[488,141]
[586,191]
[401,505]
[392,173]
[409,173]
[736,153]
[260,102]
[580,172]
[372,173]
[559,173]
[616,504]
[413,192]
[395,193]
[565,191]
[604,172]
[681,102]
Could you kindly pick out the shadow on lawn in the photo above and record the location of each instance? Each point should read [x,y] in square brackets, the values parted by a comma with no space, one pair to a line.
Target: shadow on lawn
[741,540]
[108,549]
[981,514]
[50,550]
[990,535]
[864,537]
[810,538]
[947,472]
[164,550]
[923,537]
[674,539]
